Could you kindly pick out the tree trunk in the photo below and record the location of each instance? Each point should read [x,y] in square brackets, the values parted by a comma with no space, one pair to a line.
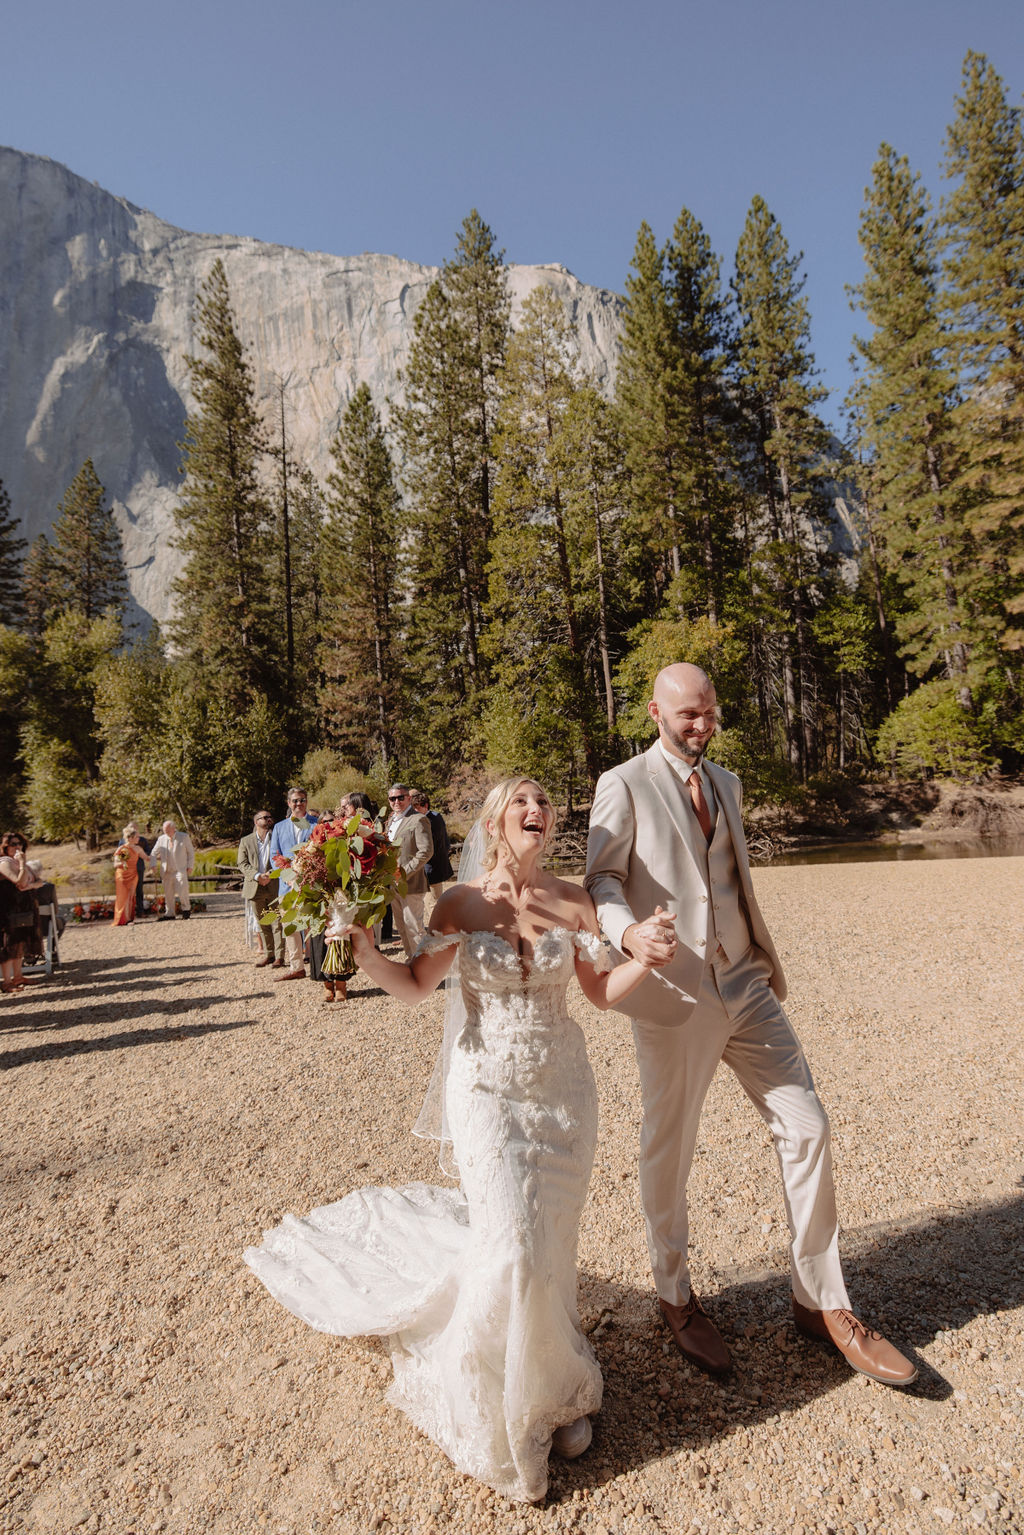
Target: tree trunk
[602,614]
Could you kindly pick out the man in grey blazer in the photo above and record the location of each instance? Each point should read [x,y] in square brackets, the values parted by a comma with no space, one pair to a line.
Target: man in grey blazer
[666,831]
[411,832]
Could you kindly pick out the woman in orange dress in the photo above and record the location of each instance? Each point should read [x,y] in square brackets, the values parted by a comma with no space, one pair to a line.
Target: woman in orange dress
[129,863]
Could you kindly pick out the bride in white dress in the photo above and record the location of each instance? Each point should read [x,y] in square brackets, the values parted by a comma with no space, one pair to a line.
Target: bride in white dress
[475,1287]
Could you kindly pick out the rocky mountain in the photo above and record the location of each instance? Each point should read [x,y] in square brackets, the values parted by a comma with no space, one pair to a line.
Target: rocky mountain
[96,301]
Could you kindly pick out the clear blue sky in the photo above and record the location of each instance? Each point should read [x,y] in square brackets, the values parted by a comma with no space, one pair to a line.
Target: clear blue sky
[377,126]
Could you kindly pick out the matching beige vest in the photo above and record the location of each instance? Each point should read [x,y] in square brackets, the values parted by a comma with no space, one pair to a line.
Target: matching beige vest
[727,919]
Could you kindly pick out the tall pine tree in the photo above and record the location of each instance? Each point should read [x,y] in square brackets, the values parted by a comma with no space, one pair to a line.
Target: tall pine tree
[649,412]
[451,399]
[775,378]
[903,409]
[983,226]
[228,622]
[12,597]
[86,571]
[535,636]
[359,571]
[707,484]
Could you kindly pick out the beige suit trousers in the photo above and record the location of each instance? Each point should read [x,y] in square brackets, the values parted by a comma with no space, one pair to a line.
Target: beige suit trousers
[738,1020]
[410,923]
[175,885]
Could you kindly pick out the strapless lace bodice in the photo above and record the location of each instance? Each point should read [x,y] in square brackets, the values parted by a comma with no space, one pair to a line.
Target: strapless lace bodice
[476,1289]
[515,1008]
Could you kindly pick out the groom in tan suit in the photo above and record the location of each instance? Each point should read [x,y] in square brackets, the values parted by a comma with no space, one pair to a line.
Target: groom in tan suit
[665,831]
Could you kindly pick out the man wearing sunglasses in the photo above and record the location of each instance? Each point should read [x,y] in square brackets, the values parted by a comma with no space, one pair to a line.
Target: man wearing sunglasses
[410,831]
[259,885]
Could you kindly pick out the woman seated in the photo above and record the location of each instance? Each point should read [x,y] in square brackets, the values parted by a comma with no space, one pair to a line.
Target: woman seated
[20,930]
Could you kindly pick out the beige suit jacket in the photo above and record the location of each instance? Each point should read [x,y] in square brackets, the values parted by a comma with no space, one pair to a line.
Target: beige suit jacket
[642,853]
[249,863]
[415,843]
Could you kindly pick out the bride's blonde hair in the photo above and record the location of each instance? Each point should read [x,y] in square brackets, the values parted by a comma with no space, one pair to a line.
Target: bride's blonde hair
[492,813]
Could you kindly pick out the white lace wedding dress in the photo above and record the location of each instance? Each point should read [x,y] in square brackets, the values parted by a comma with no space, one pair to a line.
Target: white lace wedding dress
[475,1288]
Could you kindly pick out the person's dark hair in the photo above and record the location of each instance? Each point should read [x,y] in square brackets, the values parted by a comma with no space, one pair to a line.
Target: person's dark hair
[362,801]
[13,836]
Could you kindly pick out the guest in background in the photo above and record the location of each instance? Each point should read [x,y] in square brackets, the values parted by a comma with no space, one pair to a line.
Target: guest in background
[387,925]
[129,866]
[175,857]
[147,848]
[19,914]
[410,832]
[439,869]
[259,885]
[286,836]
[364,804]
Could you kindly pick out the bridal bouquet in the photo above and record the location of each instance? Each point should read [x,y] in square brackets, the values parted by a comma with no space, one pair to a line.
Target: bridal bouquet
[122,855]
[344,875]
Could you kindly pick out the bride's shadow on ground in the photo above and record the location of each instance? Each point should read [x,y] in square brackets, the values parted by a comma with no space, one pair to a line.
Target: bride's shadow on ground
[910,1283]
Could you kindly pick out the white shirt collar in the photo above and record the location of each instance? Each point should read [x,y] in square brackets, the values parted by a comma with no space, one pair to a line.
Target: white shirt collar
[679,767]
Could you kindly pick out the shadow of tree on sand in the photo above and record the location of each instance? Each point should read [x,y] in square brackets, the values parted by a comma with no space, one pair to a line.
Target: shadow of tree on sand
[910,1281]
[159,1034]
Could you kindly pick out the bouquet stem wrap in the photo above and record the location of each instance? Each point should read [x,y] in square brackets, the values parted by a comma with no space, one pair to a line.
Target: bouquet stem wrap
[338,955]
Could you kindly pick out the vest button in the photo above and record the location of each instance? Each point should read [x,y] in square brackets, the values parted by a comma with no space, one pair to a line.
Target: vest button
[701,942]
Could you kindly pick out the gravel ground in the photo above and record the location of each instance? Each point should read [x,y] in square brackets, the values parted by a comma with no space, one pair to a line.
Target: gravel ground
[165,1103]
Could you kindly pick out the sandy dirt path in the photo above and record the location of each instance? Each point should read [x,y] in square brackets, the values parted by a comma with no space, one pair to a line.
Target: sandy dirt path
[164,1102]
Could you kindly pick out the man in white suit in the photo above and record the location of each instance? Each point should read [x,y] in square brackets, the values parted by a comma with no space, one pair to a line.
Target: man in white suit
[174,856]
[665,830]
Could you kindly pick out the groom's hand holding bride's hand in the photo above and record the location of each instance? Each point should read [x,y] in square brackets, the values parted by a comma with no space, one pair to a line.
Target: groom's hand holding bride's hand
[653,941]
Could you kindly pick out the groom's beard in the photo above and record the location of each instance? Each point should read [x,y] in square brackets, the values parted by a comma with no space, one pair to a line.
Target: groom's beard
[690,754]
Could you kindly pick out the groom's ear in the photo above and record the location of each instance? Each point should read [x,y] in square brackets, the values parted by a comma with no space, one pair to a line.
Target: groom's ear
[653,710]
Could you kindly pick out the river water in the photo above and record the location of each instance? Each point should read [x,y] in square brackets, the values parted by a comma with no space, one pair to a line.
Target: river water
[887,852]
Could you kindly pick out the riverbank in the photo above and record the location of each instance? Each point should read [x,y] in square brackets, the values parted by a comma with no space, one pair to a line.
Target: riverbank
[938,811]
[172,1103]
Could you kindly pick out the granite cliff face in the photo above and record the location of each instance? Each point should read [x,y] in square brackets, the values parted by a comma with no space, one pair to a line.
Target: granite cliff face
[96,301]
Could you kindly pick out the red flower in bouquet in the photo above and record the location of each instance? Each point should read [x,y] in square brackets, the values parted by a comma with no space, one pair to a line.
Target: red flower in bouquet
[345,873]
[374,845]
[280,861]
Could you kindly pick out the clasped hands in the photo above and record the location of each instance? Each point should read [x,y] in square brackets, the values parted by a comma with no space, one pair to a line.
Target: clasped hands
[653,941]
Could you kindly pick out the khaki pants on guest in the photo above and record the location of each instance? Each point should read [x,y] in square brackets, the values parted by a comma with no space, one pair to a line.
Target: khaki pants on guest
[294,954]
[271,936]
[409,922]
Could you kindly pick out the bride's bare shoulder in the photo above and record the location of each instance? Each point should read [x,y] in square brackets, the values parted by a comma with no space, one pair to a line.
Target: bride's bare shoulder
[455,906]
[575,901]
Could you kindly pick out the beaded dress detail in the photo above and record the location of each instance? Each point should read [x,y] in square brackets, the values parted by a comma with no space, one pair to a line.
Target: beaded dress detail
[475,1288]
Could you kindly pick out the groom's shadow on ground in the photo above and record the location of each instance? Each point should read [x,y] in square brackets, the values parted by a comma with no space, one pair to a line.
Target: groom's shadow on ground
[910,1283]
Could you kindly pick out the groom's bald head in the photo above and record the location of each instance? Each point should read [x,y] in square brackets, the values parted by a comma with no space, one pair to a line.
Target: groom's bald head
[684,708]
[680,677]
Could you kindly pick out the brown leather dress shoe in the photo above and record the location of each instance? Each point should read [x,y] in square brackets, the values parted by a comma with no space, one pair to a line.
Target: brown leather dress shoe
[261,962]
[291,975]
[279,964]
[863,1350]
[696,1336]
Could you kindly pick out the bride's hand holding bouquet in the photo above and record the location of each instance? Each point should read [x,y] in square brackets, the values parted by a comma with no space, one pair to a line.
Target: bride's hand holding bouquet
[343,879]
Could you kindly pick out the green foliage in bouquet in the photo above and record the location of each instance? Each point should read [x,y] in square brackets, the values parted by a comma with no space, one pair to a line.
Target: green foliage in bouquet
[346,870]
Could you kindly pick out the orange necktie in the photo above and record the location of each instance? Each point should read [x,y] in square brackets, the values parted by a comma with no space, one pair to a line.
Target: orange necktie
[700,804]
